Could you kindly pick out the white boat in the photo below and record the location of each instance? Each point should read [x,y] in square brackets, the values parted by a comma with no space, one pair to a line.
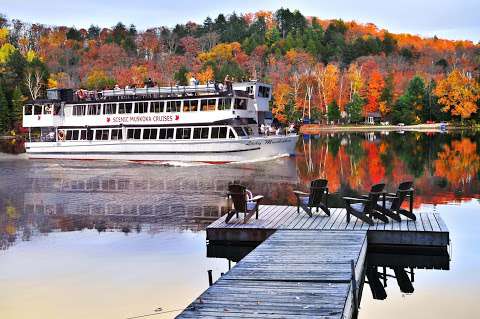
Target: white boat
[200,123]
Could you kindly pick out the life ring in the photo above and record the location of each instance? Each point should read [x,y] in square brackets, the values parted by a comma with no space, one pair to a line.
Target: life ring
[61,135]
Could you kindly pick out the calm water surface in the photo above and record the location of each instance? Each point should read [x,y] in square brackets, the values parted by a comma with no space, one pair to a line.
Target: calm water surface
[116,239]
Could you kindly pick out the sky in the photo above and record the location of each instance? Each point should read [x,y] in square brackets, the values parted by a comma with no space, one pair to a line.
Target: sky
[444,18]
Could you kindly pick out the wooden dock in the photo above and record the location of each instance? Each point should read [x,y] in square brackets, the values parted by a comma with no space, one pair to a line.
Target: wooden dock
[428,230]
[306,267]
[292,274]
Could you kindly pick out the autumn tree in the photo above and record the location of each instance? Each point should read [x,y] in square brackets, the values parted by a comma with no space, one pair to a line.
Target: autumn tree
[458,93]
[374,91]
[98,80]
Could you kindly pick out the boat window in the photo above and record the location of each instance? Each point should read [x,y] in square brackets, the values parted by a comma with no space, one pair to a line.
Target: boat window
[134,133]
[225,104]
[124,108]
[37,109]
[240,131]
[79,110]
[248,130]
[264,91]
[207,105]
[230,133]
[173,106]
[69,135]
[190,106]
[28,109]
[240,104]
[83,135]
[116,134]
[200,133]
[219,132]
[150,133]
[109,108]
[141,107]
[183,133]
[75,135]
[166,133]
[156,107]
[93,109]
[101,135]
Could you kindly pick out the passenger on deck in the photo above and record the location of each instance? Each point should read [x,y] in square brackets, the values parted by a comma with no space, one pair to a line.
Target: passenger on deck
[193,81]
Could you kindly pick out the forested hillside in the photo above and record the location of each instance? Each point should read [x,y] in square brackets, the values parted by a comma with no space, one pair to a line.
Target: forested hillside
[328,70]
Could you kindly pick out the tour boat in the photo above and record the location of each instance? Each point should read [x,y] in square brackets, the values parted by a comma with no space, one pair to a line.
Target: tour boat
[197,123]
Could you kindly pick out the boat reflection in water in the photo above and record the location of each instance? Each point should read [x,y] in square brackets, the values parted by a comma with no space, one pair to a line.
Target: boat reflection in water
[127,197]
[383,263]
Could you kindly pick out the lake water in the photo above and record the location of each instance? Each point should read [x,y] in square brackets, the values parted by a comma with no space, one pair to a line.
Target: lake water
[95,239]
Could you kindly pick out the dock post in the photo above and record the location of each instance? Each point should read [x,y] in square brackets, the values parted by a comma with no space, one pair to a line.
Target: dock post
[354,287]
[210,279]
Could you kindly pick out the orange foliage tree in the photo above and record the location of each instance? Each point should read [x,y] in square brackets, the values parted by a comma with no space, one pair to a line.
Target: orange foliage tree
[458,94]
[374,91]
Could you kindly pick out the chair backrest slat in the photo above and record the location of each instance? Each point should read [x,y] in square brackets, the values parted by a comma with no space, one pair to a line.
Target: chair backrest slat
[317,191]
[373,197]
[402,193]
[239,196]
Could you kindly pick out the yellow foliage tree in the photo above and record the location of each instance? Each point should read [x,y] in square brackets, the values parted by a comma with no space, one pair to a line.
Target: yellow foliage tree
[206,75]
[5,51]
[458,93]
[222,51]
[354,76]
[30,55]
[3,35]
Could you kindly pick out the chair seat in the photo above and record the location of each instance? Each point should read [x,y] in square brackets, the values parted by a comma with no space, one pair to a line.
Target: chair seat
[358,206]
[388,204]
[304,200]
[251,205]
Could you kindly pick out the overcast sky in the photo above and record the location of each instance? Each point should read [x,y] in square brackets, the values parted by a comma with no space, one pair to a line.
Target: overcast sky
[445,18]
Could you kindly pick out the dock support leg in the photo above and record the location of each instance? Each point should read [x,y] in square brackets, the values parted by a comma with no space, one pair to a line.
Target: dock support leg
[210,279]
[354,289]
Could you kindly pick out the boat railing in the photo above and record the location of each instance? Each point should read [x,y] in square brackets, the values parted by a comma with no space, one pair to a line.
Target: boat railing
[209,88]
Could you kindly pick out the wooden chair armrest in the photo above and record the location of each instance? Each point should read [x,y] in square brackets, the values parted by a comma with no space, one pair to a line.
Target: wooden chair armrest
[391,197]
[410,190]
[300,193]
[355,199]
[257,198]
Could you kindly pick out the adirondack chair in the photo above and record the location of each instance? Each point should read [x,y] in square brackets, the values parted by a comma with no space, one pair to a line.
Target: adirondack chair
[391,203]
[317,198]
[364,207]
[243,202]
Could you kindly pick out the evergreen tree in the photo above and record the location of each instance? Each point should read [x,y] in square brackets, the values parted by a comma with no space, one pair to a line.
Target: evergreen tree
[403,111]
[4,112]
[387,95]
[416,94]
[333,112]
[354,108]
[17,106]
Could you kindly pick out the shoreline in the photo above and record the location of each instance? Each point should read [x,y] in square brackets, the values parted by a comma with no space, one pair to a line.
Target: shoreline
[318,128]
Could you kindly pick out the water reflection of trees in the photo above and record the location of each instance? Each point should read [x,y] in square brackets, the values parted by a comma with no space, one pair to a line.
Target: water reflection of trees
[445,167]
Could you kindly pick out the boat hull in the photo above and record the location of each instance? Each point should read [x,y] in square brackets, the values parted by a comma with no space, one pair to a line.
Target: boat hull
[210,151]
